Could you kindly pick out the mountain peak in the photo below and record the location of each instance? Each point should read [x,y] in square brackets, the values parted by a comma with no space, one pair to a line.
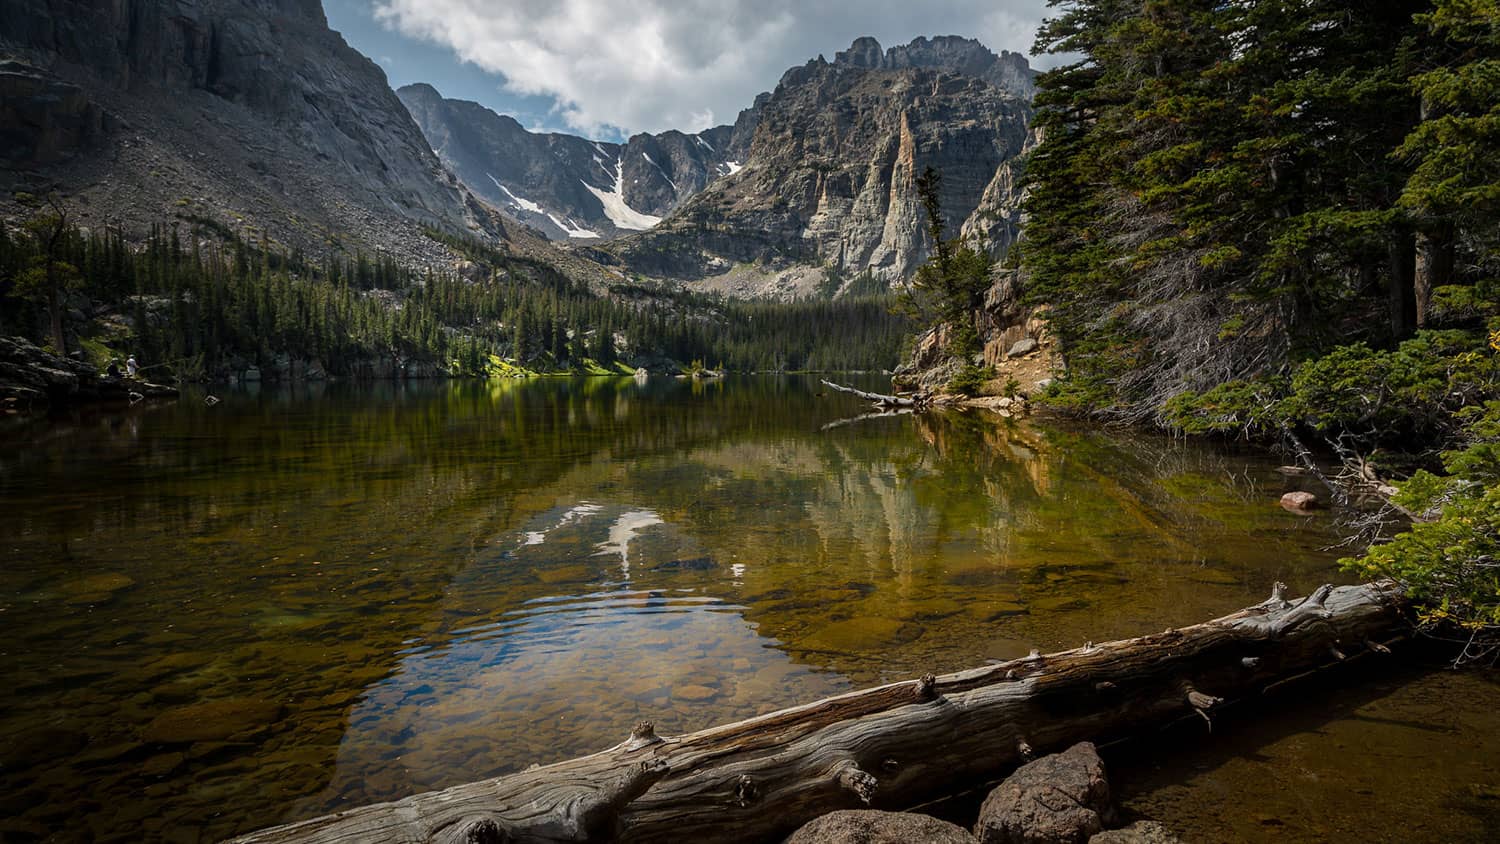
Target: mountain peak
[864,52]
[952,53]
[419,89]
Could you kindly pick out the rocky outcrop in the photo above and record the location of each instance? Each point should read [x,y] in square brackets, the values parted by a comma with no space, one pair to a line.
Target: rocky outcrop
[251,113]
[829,190]
[32,379]
[43,120]
[868,826]
[568,187]
[965,56]
[1058,799]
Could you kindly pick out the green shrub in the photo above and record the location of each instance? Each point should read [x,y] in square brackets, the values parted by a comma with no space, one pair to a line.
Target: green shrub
[971,380]
[1449,560]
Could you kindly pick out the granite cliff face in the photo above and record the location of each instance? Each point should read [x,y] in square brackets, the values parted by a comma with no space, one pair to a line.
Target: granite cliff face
[829,190]
[252,113]
[568,187]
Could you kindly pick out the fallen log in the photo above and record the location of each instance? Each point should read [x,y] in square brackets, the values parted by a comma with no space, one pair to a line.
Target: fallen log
[880,399]
[890,747]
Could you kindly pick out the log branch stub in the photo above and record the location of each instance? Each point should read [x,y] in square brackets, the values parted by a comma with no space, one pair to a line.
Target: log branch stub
[1377,647]
[485,831]
[1333,651]
[1024,750]
[746,791]
[1279,620]
[599,813]
[644,735]
[1202,703]
[1105,686]
[1277,601]
[927,687]
[853,779]
[1199,700]
[1251,662]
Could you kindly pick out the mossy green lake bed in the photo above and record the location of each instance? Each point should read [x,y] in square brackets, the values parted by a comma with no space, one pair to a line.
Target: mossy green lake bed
[223,617]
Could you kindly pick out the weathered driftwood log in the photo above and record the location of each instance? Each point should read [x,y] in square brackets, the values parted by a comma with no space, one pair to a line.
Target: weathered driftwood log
[888,747]
[878,398]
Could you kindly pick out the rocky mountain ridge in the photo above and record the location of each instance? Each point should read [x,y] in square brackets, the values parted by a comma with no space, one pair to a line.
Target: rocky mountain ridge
[251,115]
[568,187]
[829,159]
[828,193]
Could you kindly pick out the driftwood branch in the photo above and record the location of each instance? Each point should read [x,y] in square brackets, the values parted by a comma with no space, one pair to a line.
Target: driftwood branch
[892,746]
[880,399]
[879,414]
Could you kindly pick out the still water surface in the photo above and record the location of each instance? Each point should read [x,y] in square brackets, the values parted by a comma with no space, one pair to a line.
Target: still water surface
[218,618]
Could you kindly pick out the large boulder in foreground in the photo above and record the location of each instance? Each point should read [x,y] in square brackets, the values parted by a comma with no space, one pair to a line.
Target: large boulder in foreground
[1058,799]
[867,826]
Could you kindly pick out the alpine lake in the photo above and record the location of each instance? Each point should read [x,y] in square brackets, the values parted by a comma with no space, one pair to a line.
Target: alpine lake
[302,599]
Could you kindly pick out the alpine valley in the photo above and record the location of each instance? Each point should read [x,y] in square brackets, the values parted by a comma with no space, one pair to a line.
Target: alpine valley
[253,117]
[228,188]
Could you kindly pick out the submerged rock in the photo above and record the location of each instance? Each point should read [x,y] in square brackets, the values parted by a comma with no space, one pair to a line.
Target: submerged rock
[692,564]
[94,584]
[1059,603]
[862,633]
[34,747]
[1058,799]
[1140,832]
[1299,502]
[868,826]
[694,693]
[213,720]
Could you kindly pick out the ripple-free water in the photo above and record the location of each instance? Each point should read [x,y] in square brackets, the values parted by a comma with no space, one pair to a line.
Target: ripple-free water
[295,601]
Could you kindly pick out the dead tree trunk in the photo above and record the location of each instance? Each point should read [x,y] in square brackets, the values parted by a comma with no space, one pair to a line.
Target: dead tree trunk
[880,399]
[891,746]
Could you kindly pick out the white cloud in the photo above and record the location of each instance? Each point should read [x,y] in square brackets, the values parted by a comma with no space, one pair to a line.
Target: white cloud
[650,65]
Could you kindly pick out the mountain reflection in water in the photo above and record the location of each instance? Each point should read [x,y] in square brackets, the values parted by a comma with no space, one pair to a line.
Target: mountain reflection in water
[302,600]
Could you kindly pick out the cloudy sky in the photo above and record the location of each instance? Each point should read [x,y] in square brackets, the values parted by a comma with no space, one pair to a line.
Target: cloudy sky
[604,68]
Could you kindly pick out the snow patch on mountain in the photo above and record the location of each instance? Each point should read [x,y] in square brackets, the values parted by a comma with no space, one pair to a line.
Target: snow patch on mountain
[615,208]
[520,202]
[572,229]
